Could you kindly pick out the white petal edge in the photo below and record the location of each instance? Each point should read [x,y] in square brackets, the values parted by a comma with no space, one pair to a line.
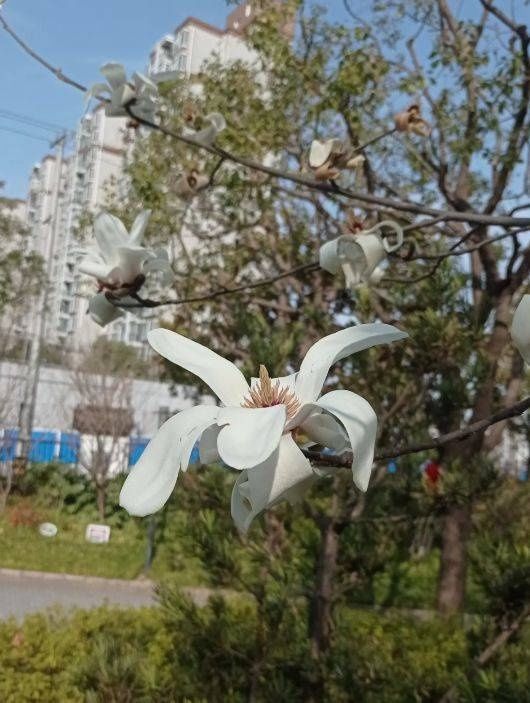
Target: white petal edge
[520,330]
[115,74]
[322,428]
[223,377]
[282,476]
[328,350]
[152,480]
[249,435]
[138,229]
[91,266]
[360,422]
[110,233]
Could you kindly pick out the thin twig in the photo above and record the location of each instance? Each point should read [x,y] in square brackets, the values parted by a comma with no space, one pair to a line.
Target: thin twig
[57,72]
[147,303]
[331,189]
[455,436]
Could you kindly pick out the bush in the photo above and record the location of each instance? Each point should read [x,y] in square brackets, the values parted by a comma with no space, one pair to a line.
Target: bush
[231,651]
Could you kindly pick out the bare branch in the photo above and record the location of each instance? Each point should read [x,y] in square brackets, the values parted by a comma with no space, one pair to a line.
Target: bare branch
[57,72]
[344,460]
[146,303]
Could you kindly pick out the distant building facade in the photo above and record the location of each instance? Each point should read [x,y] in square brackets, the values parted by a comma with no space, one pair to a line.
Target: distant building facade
[61,190]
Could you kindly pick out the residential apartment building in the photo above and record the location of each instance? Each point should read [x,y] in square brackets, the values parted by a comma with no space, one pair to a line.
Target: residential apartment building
[62,189]
[193,42]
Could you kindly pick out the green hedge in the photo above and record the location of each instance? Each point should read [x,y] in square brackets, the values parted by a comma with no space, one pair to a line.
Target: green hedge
[224,653]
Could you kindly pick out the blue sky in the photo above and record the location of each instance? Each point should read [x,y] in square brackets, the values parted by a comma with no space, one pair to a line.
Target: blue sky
[77,36]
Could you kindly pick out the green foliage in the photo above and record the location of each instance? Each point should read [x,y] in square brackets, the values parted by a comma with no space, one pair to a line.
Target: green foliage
[114,358]
[227,652]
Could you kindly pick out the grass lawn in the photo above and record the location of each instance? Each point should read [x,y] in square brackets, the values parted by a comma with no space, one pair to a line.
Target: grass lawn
[22,547]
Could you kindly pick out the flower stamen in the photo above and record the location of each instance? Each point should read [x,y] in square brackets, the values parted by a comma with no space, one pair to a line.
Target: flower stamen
[266,394]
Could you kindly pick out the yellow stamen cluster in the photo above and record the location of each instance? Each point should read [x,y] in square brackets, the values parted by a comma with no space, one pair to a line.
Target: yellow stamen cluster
[266,394]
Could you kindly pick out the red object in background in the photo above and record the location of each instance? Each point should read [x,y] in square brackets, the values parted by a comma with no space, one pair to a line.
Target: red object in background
[432,472]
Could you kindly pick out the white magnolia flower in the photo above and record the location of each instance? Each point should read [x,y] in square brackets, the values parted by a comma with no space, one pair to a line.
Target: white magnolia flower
[214,124]
[253,429]
[411,121]
[120,264]
[521,328]
[329,158]
[121,91]
[359,255]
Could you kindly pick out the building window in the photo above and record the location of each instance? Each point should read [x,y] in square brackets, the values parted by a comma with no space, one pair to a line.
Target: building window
[184,38]
[248,10]
[182,63]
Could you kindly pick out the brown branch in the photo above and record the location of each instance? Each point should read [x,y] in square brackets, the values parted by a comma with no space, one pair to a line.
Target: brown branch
[330,189]
[147,303]
[489,652]
[344,460]
[518,135]
[57,72]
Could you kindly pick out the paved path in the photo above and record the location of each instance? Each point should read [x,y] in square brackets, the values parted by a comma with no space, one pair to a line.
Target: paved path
[23,592]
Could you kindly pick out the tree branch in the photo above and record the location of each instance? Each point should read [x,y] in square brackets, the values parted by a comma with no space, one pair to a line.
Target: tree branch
[345,460]
[57,72]
[147,303]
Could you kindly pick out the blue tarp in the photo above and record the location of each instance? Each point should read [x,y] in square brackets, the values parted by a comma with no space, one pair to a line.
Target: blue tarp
[42,447]
[136,448]
[69,448]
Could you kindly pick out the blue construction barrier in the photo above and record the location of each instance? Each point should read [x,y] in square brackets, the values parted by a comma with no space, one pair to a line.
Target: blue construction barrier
[136,448]
[64,447]
[69,448]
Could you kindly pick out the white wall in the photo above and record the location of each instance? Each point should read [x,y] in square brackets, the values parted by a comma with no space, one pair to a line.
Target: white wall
[57,398]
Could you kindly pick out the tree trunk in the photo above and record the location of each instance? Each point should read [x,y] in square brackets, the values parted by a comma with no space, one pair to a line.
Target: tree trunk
[101,496]
[453,559]
[320,621]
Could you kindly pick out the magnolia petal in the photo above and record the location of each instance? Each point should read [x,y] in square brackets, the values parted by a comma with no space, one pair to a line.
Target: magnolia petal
[328,350]
[249,435]
[320,152]
[110,233]
[190,442]
[325,430]
[131,262]
[145,85]
[97,89]
[360,421]
[115,74]
[520,330]
[102,310]
[151,481]
[138,229]
[278,478]
[208,445]
[91,266]
[223,377]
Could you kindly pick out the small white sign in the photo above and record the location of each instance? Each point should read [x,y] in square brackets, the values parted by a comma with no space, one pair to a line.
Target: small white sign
[47,529]
[97,534]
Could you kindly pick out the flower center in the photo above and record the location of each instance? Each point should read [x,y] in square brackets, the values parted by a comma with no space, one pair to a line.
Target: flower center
[266,394]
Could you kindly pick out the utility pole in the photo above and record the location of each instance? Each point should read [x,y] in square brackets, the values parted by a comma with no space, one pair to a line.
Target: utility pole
[27,409]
